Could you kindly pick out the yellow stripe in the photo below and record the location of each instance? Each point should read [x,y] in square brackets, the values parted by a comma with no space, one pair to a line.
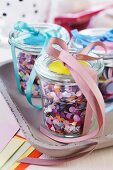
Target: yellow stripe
[23,156]
[10,149]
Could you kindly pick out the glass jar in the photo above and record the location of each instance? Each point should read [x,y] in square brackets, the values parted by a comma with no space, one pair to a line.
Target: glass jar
[26,49]
[64,105]
[107,73]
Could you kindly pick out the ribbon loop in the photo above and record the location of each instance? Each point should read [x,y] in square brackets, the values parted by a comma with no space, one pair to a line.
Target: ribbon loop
[92,45]
[52,50]
[80,56]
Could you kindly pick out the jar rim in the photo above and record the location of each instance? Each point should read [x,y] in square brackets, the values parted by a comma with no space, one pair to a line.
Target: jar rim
[96,31]
[43,71]
[21,45]
[93,32]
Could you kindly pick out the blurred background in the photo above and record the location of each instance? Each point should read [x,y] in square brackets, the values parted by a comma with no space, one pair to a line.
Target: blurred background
[71,14]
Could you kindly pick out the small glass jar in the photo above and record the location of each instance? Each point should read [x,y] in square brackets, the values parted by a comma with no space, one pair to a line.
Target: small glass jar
[108,62]
[64,105]
[24,55]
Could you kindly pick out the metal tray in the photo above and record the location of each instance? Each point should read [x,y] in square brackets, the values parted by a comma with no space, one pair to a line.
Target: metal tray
[30,119]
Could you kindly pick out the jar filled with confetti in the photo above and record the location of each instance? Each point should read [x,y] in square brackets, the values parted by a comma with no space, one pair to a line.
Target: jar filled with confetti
[82,38]
[26,43]
[64,104]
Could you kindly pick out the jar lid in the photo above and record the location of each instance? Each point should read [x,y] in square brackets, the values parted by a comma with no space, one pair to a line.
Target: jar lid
[44,71]
[24,40]
[93,34]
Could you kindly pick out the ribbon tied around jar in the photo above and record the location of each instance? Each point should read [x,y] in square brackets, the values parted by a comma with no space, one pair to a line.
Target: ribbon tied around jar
[86,79]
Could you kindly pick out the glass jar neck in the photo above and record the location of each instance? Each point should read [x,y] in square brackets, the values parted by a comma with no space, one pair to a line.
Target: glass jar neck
[17,37]
[42,63]
[101,33]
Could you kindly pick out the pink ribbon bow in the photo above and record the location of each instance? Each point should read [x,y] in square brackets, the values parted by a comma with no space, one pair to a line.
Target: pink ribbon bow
[86,78]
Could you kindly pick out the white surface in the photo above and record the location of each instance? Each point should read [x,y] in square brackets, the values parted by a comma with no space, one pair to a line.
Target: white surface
[98,160]
[5,55]
[36,11]
[10,121]
[98,21]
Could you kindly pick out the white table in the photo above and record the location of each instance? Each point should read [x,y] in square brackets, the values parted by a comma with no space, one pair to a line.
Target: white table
[98,160]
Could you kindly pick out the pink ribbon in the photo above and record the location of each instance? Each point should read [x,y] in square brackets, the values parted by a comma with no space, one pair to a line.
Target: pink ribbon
[86,78]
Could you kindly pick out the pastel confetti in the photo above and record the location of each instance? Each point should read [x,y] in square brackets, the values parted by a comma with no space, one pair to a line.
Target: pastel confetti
[67,115]
[25,64]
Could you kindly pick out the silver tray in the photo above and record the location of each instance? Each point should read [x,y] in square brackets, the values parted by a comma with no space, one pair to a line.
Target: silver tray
[30,119]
